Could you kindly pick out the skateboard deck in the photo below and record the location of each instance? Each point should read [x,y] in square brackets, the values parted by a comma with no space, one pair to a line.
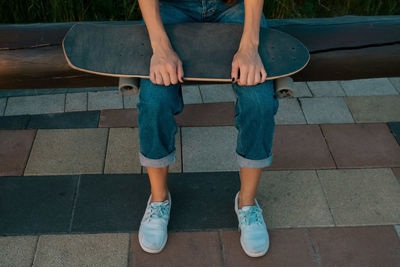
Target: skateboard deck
[205,49]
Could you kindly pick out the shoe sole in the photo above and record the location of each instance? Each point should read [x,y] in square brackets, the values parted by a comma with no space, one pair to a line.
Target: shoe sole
[241,244]
[149,250]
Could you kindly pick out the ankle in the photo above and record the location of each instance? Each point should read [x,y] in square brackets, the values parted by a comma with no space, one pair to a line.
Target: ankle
[159,196]
[245,202]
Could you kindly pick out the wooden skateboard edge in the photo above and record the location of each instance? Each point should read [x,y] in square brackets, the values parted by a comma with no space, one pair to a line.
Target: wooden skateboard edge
[184,78]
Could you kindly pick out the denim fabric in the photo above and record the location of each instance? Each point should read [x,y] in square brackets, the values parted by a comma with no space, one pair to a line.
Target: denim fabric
[255,106]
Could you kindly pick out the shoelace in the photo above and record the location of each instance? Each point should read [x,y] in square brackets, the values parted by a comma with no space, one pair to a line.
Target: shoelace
[157,210]
[251,216]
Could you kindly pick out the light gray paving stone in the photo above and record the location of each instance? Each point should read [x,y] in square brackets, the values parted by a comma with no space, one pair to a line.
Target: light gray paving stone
[326,88]
[76,102]
[374,108]
[395,82]
[293,199]
[122,151]
[130,101]
[177,165]
[326,110]
[362,196]
[17,250]
[67,151]
[104,100]
[212,93]
[366,87]
[300,89]
[208,149]
[40,104]
[3,102]
[397,228]
[191,94]
[289,112]
[83,250]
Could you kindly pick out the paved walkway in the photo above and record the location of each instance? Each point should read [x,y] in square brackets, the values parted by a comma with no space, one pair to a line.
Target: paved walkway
[72,191]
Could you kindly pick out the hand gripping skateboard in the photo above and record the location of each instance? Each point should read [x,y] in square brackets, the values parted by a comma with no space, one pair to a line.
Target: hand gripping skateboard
[205,49]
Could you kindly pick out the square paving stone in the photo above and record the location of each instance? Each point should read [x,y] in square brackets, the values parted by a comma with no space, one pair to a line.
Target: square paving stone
[83,250]
[395,129]
[3,102]
[104,100]
[177,165]
[362,196]
[293,241]
[36,204]
[374,108]
[39,104]
[300,147]
[68,151]
[395,82]
[118,118]
[130,101]
[357,246]
[209,149]
[122,151]
[182,250]
[15,146]
[209,114]
[76,102]
[300,89]
[326,88]
[14,122]
[217,92]
[17,250]
[203,200]
[362,145]
[67,120]
[110,203]
[191,94]
[326,110]
[293,199]
[289,112]
[368,87]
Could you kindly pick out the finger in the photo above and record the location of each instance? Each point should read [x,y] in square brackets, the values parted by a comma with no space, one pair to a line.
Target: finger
[250,76]
[243,75]
[159,79]
[235,72]
[180,71]
[152,77]
[257,76]
[165,77]
[263,75]
[172,74]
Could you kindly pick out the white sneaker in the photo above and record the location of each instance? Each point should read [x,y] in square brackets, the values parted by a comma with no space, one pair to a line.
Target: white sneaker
[254,237]
[153,232]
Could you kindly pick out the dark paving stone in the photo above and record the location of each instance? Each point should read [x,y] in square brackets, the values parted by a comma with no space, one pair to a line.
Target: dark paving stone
[395,129]
[14,122]
[36,204]
[15,146]
[209,114]
[362,145]
[51,91]
[300,147]
[182,249]
[67,120]
[285,242]
[357,246]
[117,202]
[118,118]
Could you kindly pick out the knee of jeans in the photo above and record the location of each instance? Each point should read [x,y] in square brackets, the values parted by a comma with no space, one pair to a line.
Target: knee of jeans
[259,106]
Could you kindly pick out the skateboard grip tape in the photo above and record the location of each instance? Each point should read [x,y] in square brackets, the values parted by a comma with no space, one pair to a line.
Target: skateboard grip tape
[129,86]
[284,87]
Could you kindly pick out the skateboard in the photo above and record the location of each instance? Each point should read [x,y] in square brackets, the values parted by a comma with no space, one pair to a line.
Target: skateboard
[205,49]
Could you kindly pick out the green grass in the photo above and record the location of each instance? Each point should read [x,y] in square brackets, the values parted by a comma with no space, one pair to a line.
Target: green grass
[27,11]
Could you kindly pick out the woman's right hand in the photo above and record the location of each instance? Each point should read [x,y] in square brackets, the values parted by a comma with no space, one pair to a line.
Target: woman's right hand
[165,67]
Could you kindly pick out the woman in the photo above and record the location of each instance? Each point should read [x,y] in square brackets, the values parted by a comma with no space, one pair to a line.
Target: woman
[160,99]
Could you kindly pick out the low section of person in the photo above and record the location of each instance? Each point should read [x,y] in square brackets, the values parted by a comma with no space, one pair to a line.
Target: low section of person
[160,98]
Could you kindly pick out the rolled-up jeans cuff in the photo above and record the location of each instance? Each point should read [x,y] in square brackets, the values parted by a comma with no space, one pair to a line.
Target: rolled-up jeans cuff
[251,163]
[157,163]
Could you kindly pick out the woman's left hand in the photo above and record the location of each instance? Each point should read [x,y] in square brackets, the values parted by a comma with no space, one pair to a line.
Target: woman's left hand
[248,62]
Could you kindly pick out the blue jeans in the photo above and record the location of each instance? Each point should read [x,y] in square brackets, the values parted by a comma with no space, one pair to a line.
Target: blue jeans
[255,106]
